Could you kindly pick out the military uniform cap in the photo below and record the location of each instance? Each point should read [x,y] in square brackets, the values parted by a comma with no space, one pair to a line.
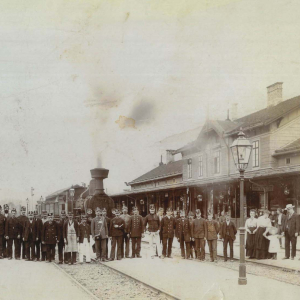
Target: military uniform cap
[191,214]
[23,208]
[134,208]
[6,206]
[30,213]
[116,212]
[13,210]
[198,211]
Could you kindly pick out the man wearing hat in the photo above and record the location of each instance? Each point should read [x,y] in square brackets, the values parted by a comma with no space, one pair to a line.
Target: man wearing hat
[198,234]
[43,245]
[99,232]
[168,226]
[22,220]
[84,240]
[211,234]
[183,234]
[136,232]
[39,226]
[29,236]
[192,243]
[125,240]
[6,215]
[117,226]
[71,238]
[62,257]
[49,237]
[160,214]
[291,228]
[2,232]
[108,220]
[13,235]
[152,220]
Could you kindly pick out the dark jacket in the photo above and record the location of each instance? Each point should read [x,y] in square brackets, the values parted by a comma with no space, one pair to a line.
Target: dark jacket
[228,230]
[153,223]
[60,227]
[30,228]
[22,220]
[168,226]
[12,228]
[199,228]
[117,221]
[127,220]
[108,220]
[136,227]
[292,224]
[99,227]
[212,230]
[50,233]
[39,228]
[84,230]
[183,230]
[66,226]
[2,224]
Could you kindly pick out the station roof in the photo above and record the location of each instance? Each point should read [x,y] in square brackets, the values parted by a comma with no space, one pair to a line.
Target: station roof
[290,148]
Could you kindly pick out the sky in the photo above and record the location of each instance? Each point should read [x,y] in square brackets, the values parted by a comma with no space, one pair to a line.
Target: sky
[88,83]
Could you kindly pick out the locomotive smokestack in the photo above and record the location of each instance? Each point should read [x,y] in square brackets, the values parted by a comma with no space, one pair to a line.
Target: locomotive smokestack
[99,174]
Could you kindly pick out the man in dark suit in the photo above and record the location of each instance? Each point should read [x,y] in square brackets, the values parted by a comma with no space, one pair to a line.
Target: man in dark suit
[108,220]
[228,232]
[291,228]
[183,234]
[168,226]
[39,226]
[50,236]
[22,220]
[5,242]
[62,257]
[29,236]
[2,232]
[136,229]
[13,235]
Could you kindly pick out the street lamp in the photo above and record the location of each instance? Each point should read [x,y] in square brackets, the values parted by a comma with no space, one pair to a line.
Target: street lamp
[72,193]
[27,202]
[241,150]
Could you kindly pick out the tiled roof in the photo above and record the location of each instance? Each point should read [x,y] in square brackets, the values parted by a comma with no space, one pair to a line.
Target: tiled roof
[165,170]
[59,192]
[294,146]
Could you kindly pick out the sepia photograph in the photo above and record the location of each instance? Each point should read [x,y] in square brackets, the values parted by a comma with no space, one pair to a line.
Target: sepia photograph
[150,149]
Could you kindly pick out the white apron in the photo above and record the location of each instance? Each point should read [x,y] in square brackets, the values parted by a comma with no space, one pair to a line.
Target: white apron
[72,240]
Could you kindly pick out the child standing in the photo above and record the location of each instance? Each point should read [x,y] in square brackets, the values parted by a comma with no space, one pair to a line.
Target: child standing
[274,245]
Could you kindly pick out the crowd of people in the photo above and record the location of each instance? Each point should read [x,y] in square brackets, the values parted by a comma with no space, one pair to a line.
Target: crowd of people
[35,238]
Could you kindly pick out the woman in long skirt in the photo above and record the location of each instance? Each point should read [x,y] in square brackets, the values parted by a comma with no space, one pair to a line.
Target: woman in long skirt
[251,228]
[261,243]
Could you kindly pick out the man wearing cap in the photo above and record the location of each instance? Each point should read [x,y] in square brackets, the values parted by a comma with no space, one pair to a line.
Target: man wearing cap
[160,214]
[198,233]
[2,232]
[116,232]
[39,226]
[43,245]
[108,220]
[211,234]
[125,240]
[22,220]
[99,232]
[192,243]
[71,238]
[6,215]
[13,235]
[183,234]
[84,240]
[152,220]
[136,232]
[291,228]
[168,226]
[50,236]
[29,236]
[62,257]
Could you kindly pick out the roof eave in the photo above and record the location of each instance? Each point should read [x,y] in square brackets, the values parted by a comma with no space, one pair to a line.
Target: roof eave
[154,178]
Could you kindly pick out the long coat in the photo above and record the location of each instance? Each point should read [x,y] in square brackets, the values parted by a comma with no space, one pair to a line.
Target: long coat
[12,228]
[30,228]
[50,233]
[22,220]
[168,226]
[99,227]
[231,229]
[2,224]
[183,230]
[136,226]
[292,224]
[199,228]
[39,228]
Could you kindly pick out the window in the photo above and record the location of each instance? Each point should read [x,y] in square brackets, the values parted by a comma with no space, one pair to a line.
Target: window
[217,162]
[200,165]
[190,168]
[255,154]
[288,160]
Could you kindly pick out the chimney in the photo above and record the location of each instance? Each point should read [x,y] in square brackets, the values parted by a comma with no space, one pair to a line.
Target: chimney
[161,162]
[98,175]
[274,93]
[170,157]
[234,109]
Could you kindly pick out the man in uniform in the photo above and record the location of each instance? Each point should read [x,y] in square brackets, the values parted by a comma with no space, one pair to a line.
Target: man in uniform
[29,236]
[13,234]
[136,229]
[160,215]
[183,234]
[49,236]
[43,245]
[6,215]
[152,220]
[2,231]
[62,257]
[125,240]
[167,226]
[39,226]
[116,232]
[108,220]
[22,220]
[99,232]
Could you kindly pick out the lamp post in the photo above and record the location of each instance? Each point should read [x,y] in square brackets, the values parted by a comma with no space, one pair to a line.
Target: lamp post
[241,150]
[27,202]
[72,193]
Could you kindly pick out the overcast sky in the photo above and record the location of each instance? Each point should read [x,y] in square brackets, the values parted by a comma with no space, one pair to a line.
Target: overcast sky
[76,75]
